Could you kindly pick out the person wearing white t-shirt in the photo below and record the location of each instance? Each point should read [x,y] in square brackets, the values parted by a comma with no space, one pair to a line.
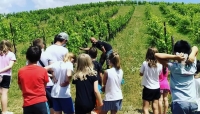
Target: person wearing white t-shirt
[62,101]
[112,85]
[57,51]
[150,71]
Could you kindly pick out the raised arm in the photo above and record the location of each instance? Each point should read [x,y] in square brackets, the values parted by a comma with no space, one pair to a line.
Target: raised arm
[85,49]
[193,54]
[163,58]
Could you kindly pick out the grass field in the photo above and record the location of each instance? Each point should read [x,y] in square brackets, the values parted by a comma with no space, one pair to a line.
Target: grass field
[131,43]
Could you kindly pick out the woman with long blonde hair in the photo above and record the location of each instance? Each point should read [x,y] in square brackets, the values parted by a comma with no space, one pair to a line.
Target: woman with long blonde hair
[86,82]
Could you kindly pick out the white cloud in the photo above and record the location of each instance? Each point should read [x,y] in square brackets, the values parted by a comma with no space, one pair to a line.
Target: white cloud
[5,5]
[42,4]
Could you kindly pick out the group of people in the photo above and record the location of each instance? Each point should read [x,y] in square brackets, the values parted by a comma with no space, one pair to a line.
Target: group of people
[184,83]
[45,79]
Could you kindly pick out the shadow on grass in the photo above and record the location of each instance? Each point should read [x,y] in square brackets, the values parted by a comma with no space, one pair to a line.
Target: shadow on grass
[141,112]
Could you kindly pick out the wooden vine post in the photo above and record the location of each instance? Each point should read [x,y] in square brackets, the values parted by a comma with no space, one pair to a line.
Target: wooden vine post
[165,35]
[13,39]
[44,38]
[172,40]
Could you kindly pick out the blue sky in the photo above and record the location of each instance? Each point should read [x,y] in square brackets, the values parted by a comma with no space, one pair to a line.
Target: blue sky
[8,6]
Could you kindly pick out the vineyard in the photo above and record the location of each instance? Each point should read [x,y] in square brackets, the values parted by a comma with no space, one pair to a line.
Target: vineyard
[129,26]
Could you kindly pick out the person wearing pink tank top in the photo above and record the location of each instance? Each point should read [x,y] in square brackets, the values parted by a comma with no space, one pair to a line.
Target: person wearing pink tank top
[164,90]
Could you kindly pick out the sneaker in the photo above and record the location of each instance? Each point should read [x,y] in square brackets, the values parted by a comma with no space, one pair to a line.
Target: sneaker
[7,112]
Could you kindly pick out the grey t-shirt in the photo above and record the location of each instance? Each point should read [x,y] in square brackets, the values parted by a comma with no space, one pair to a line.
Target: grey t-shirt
[182,84]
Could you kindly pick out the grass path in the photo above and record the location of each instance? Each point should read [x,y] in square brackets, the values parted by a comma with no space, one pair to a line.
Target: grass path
[131,45]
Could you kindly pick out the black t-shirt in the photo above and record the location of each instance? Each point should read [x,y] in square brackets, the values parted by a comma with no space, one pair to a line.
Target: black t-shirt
[98,68]
[85,98]
[101,44]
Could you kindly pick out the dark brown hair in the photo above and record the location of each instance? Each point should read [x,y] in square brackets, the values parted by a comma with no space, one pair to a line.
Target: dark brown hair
[5,46]
[164,69]
[150,57]
[9,45]
[38,42]
[92,52]
[115,60]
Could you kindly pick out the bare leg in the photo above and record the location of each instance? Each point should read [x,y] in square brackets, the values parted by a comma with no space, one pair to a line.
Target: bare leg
[155,106]
[166,103]
[160,103]
[103,112]
[113,112]
[58,112]
[4,99]
[51,111]
[145,107]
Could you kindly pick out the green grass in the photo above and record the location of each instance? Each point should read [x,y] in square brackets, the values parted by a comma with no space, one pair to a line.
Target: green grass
[130,43]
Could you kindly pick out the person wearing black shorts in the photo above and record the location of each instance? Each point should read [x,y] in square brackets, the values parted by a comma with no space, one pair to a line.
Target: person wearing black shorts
[150,94]
[7,60]
[150,71]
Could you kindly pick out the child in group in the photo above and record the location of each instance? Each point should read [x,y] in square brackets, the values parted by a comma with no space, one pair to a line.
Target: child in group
[97,66]
[44,62]
[182,72]
[150,70]
[112,85]
[164,91]
[86,83]
[32,80]
[62,70]
[7,59]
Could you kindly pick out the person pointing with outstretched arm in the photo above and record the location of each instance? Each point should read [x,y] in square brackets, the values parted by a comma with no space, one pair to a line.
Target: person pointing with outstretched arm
[105,47]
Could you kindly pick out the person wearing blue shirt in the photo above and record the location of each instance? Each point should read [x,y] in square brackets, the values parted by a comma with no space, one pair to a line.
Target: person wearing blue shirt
[182,71]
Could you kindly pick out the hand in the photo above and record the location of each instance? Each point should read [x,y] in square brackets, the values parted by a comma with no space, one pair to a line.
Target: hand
[98,107]
[103,89]
[180,57]
[80,48]
[66,83]
[54,80]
